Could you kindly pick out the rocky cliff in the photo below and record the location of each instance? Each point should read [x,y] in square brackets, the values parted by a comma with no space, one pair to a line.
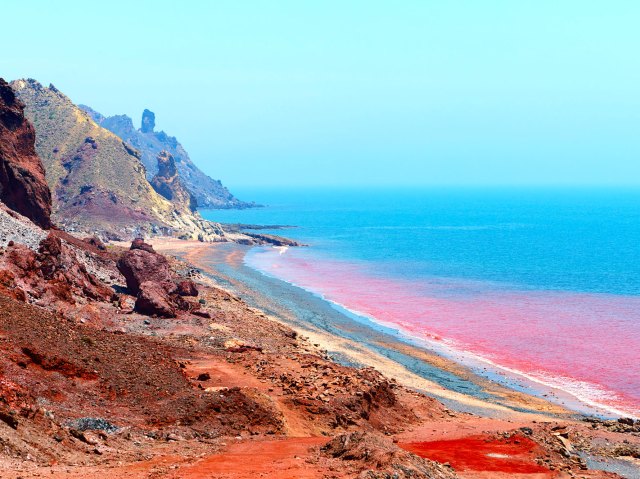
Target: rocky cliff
[209,193]
[23,187]
[148,121]
[97,180]
[167,183]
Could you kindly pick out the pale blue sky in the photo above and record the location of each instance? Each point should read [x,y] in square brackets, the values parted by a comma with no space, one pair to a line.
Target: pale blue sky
[356,92]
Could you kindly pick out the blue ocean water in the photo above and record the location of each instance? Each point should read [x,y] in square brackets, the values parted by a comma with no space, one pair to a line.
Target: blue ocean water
[541,283]
[581,240]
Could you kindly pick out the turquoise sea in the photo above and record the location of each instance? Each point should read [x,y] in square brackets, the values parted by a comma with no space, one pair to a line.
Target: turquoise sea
[542,282]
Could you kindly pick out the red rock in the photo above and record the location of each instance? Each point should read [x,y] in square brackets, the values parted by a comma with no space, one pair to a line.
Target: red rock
[187,288]
[53,273]
[23,187]
[154,300]
[49,255]
[139,266]
[139,243]
[23,258]
[149,278]
[59,265]
[9,286]
[182,304]
[95,241]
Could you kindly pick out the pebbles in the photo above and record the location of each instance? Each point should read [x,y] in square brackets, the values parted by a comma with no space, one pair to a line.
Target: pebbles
[19,230]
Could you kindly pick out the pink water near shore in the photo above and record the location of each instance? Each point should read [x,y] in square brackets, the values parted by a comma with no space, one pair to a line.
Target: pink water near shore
[587,345]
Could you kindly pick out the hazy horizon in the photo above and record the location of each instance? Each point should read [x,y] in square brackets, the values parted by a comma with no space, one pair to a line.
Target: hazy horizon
[363,94]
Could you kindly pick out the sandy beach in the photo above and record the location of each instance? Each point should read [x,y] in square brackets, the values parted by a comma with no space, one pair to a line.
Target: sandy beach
[353,343]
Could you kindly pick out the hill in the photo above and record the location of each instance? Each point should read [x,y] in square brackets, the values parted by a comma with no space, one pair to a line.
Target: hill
[97,181]
[209,193]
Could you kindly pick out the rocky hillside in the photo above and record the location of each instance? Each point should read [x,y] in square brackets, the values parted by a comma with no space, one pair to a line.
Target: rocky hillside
[208,193]
[23,187]
[97,181]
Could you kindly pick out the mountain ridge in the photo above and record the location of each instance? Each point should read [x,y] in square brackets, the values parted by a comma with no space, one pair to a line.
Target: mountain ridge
[209,193]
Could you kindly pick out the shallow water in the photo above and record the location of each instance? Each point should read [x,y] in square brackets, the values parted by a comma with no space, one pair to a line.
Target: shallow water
[306,311]
[545,283]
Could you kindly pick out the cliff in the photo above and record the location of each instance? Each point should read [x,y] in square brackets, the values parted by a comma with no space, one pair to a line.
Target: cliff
[208,193]
[97,180]
[23,187]
[167,183]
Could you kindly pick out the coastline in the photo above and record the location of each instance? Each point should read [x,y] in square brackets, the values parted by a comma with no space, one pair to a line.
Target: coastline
[248,342]
[351,341]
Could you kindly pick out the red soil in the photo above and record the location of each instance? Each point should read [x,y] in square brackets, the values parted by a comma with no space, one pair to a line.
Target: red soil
[281,459]
[514,455]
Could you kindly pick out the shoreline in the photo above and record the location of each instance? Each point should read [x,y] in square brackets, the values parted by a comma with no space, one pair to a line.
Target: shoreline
[410,361]
[579,396]
[268,370]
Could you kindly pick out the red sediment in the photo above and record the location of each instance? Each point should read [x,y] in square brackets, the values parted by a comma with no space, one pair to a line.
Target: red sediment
[515,455]
[282,459]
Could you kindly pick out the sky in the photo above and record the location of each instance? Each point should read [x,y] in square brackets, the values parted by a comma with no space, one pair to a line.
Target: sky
[356,93]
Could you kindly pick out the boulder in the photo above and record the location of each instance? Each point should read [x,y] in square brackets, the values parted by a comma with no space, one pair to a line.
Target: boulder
[96,242]
[139,266]
[139,243]
[153,299]
[149,278]
[187,288]
[49,254]
[23,186]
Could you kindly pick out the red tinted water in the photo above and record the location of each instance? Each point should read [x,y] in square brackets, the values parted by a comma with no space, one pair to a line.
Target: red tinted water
[585,344]
[515,455]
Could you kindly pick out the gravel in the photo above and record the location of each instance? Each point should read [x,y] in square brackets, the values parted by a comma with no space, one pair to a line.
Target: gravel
[17,228]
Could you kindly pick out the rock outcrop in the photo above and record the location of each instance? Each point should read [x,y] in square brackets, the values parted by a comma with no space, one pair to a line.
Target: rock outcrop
[153,299]
[208,193]
[23,186]
[149,278]
[95,242]
[139,266]
[187,288]
[167,183]
[139,243]
[54,275]
[148,121]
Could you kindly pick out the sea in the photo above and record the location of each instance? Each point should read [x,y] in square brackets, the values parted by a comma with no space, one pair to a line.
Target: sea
[543,283]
